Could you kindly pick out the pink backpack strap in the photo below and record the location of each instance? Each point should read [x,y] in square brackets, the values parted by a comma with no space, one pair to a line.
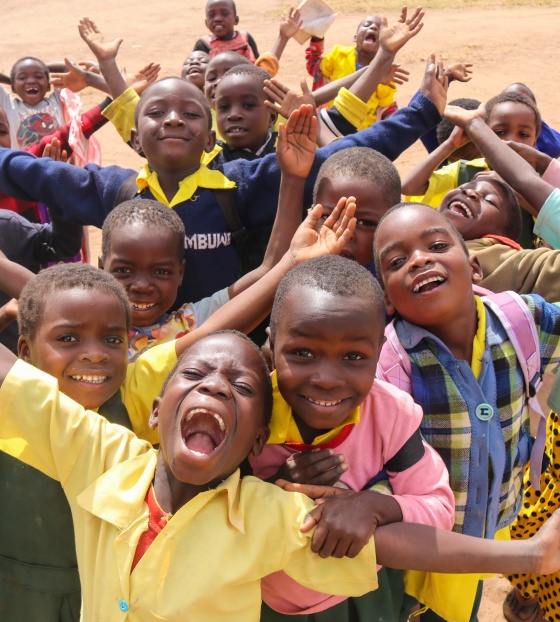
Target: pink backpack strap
[516,318]
[394,365]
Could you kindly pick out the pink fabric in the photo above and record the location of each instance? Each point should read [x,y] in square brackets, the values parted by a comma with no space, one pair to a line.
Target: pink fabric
[552,174]
[388,418]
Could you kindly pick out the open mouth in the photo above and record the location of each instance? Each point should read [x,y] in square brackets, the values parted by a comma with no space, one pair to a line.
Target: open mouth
[325,403]
[138,306]
[32,90]
[459,208]
[370,38]
[202,431]
[232,131]
[429,284]
[90,378]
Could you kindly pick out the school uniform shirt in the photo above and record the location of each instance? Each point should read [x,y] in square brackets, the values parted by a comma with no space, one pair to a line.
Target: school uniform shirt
[206,564]
[380,437]
[547,225]
[86,195]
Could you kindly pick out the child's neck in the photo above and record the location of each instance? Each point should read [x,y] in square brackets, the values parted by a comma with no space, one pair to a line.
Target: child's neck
[458,333]
[362,58]
[308,434]
[170,180]
[228,37]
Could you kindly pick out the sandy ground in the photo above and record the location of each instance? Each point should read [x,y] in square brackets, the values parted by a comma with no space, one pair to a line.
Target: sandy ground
[504,44]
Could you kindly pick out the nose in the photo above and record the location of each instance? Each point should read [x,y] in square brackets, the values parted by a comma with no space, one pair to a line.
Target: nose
[140,285]
[326,376]
[93,352]
[469,191]
[419,259]
[234,113]
[216,386]
[174,119]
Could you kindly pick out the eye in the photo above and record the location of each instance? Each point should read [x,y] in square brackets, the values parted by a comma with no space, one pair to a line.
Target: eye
[222,106]
[250,105]
[121,271]
[192,114]
[395,263]
[162,272]
[154,113]
[192,374]
[67,339]
[243,388]
[354,356]
[492,202]
[304,353]
[115,341]
[440,246]
[366,223]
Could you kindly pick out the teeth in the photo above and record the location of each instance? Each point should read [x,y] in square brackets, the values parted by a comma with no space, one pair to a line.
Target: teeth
[91,379]
[217,417]
[322,403]
[236,130]
[142,307]
[462,208]
[433,279]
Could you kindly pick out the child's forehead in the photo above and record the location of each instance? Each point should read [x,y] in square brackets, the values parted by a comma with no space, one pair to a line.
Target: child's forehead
[242,85]
[220,4]
[73,303]
[513,109]
[171,89]
[29,64]
[369,20]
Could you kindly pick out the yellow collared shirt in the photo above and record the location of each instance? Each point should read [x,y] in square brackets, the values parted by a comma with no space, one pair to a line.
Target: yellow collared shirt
[207,562]
[284,429]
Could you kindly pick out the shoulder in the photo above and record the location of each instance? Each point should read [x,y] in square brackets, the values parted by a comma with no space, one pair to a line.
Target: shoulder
[386,398]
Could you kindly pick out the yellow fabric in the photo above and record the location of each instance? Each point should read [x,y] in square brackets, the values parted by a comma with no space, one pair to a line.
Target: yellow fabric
[479,341]
[121,112]
[284,429]
[208,157]
[268,62]
[341,62]
[443,180]
[352,108]
[220,543]
[202,178]
[144,379]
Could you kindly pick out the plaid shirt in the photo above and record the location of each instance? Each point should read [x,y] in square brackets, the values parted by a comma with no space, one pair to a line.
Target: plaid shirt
[485,459]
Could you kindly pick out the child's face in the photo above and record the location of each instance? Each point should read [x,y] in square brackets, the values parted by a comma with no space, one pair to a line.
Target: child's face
[172,127]
[220,18]
[477,208]
[371,205]
[30,82]
[81,340]
[214,72]
[325,351]
[194,68]
[144,259]
[242,118]
[5,140]
[211,415]
[367,35]
[514,121]
[426,272]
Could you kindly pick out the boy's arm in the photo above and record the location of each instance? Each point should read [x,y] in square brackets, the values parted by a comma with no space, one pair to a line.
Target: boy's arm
[513,169]
[253,44]
[312,239]
[289,25]
[295,151]
[75,78]
[13,277]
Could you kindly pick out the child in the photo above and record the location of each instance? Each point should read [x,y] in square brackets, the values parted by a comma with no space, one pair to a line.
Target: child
[221,20]
[194,68]
[144,518]
[345,60]
[463,368]
[333,423]
[173,131]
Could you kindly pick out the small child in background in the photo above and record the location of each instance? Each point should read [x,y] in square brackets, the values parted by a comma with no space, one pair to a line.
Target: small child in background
[194,68]
[221,20]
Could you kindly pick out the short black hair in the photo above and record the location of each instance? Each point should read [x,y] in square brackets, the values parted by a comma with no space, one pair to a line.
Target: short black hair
[35,60]
[263,368]
[524,87]
[230,1]
[257,74]
[63,277]
[361,163]
[419,206]
[196,94]
[512,96]
[153,214]
[445,127]
[335,275]
[239,59]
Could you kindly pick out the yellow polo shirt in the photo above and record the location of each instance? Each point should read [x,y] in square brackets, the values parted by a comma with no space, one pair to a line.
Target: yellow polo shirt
[207,562]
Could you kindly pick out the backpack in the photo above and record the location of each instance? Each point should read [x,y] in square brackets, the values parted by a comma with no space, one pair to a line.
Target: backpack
[395,367]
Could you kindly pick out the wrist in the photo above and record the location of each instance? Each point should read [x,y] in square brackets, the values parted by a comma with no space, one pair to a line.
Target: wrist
[473,124]
[543,162]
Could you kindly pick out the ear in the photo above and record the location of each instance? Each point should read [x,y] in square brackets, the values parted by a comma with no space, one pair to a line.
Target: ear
[389,307]
[153,420]
[272,118]
[236,20]
[134,141]
[24,349]
[211,141]
[206,24]
[100,263]
[476,268]
[260,441]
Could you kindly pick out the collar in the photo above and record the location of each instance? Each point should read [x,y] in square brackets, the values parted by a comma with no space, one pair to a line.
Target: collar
[118,496]
[503,240]
[283,427]
[202,178]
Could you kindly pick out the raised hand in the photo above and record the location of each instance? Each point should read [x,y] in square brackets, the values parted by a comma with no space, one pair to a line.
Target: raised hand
[103,50]
[55,151]
[435,83]
[297,142]
[395,75]
[314,466]
[74,79]
[142,79]
[315,238]
[284,100]
[290,24]
[393,38]
[461,72]
[462,117]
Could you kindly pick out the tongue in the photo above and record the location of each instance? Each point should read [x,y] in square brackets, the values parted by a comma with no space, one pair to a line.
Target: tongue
[429,286]
[201,443]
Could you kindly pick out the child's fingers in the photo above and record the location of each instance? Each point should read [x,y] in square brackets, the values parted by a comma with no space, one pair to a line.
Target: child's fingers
[314,215]
[312,519]
[346,212]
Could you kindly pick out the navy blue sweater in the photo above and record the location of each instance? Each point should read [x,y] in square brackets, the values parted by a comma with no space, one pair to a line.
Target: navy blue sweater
[86,195]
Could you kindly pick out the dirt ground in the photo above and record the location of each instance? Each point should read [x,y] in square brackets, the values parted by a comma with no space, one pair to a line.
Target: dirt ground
[505,45]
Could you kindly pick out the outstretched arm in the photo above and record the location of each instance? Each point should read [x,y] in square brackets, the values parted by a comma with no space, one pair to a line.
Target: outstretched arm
[289,25]
[312,239]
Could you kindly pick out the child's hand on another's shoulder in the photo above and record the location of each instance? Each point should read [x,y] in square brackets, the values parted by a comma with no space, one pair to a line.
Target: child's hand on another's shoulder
[103,50]
[435,83]
[297,142]
[314,466]
[393,38]
[345,520]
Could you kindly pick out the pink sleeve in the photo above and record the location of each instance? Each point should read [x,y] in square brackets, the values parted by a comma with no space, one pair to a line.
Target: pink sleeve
[552,174]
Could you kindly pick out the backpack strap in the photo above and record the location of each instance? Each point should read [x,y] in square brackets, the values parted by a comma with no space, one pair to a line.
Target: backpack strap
[394,365]
[127,191]
[521,329]
[239,233]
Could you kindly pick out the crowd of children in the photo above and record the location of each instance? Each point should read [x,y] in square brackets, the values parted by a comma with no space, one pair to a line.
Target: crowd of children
[371,456]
